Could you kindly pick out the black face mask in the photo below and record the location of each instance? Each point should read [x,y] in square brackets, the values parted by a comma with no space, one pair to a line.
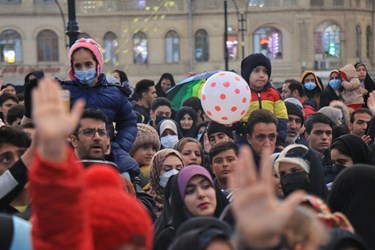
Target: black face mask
[337,168]
[295,181]
[159,118]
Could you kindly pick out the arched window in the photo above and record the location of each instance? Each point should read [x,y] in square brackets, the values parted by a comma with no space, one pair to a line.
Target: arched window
[10,47]
[358,42]
[140,48]
[201,46]
[327,40]
[48,46]
[172,47]
[369,43]
[111,48]
[268,41]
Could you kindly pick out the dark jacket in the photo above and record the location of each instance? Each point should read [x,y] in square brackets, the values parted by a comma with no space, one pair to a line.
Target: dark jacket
[328,95]
[113,101]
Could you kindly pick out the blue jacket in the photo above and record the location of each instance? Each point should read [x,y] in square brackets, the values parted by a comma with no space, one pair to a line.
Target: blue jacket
[113,100]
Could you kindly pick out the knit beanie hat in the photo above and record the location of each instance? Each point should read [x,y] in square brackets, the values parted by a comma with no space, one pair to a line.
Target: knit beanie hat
[116,217]
[334,114]
[187,173]
[145,135]
[91,45]
[214,127]
[251,62]
[295,154]
[294,110]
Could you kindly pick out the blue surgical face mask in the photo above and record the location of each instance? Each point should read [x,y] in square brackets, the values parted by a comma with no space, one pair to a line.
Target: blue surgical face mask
[165,177]
[310,85]
[86,77]
[169,141]
[335,83]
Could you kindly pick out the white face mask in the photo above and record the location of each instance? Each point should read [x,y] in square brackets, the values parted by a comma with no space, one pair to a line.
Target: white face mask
[165,177]
[169,141]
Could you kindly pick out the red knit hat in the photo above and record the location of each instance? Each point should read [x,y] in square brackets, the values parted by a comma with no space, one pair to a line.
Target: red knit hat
[93,47]
[116,218]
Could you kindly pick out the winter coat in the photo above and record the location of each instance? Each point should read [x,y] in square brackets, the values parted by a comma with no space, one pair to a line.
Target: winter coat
[112,99]
[352,90]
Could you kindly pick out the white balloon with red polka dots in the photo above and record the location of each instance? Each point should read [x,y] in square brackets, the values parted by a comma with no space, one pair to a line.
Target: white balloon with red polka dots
[225,97]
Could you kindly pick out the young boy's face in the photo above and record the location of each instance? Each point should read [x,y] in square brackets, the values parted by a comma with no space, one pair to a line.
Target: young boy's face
[258,78]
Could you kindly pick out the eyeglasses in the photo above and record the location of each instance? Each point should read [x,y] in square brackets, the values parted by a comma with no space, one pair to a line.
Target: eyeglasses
[92,131]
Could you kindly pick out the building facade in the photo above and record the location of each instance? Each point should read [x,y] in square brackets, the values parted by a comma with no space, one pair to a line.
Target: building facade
[146,38]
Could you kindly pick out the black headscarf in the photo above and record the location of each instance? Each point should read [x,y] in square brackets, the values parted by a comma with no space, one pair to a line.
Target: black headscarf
[353,194]
[159,90]
[368,82]
[180,115]
[174,213]
[354,147]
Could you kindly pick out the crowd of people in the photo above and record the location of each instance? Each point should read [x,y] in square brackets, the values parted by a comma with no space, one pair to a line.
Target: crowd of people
[111,166]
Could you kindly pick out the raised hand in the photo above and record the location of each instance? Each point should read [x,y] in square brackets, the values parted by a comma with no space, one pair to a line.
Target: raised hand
[260,216]
[371,102]
[52,119]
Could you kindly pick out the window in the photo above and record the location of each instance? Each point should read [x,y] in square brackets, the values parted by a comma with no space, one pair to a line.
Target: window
[10,47]
[201,46]
[327,40]
[338,2]
[232,44]
[48,49]
[316,3]
[140,48]
[358,42]
[111,48]
[369,42]
[268,41]
[172,47]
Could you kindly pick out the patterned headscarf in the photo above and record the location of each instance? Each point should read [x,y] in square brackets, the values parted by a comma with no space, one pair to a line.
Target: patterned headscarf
[156,190]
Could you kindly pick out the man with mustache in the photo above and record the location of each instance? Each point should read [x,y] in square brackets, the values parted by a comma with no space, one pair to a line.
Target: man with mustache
[294,125]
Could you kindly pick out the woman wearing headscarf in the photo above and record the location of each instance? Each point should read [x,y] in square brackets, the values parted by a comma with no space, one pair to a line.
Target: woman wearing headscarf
[353,194]
[165,83]
[191,193]
[298,168]
[186,119]
[164,164]
[313,87]
[331,91]
[346,151]
[365,79]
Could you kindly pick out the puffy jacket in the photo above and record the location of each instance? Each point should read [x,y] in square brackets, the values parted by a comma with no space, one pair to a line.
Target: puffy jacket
[353,91]
[113,100]
[268,98]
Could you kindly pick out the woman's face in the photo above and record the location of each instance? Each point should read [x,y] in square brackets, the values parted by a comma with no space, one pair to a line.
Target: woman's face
[361,71]
[83,60]
[186,122]
[288,168]
[191,153]
[340,159]
[334,75]
[200,197]
[309,78]
[165,84]
[10,90]
[171,162]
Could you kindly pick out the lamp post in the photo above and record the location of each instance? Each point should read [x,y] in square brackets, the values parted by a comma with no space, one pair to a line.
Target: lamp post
[72,29]
[226,58]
